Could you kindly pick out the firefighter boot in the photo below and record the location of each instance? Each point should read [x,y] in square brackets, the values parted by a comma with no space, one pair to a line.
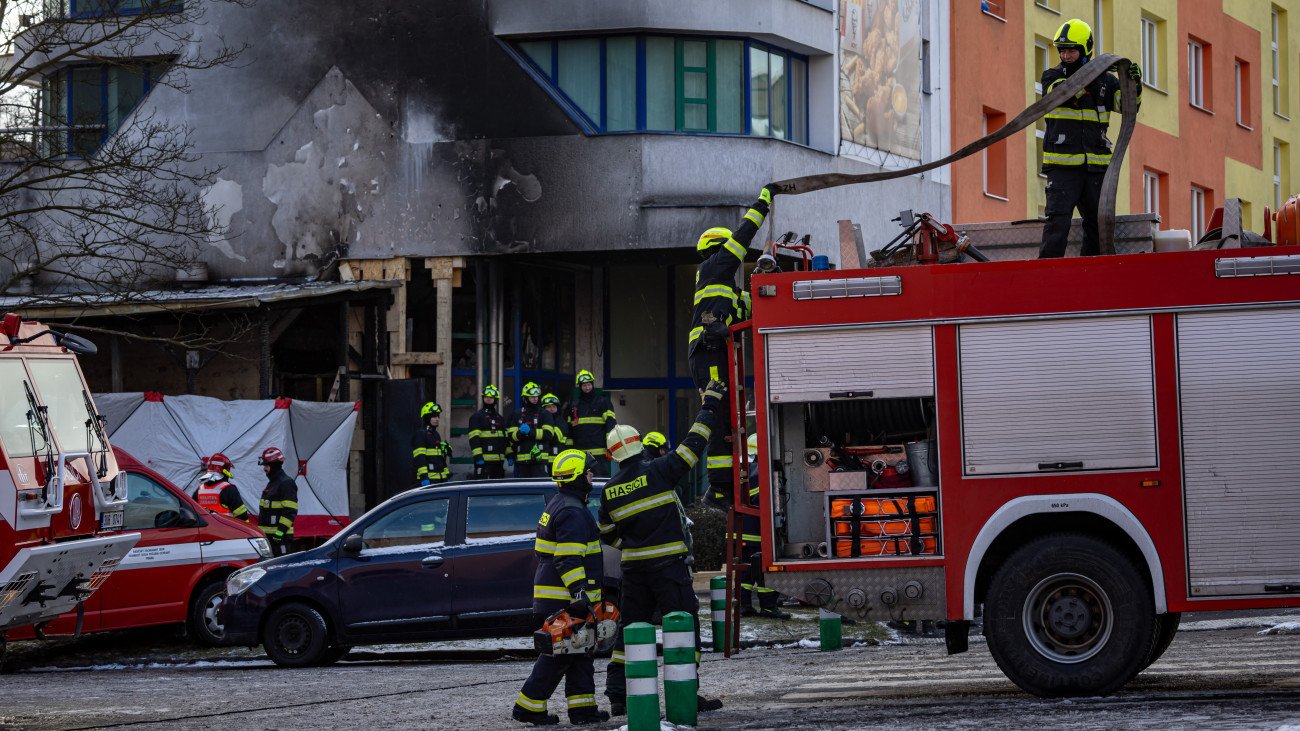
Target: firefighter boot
[584,716]
[618,707]
[746,605]
[536,718]
[703,704]
[768,605]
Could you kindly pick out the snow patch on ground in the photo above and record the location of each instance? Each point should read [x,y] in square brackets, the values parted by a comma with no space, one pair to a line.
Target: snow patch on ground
[1206,625]
[1285,628]
[155,666]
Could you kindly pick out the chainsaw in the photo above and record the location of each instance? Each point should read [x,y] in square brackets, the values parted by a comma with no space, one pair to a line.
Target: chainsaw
[566,633]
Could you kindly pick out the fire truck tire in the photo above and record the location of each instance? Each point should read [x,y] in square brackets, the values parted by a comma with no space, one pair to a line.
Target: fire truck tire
[203,624]
[1165,631]
[294,636]
[1069,615]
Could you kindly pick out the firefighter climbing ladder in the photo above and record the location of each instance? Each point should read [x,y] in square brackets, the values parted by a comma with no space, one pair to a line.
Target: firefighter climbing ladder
[1090,72]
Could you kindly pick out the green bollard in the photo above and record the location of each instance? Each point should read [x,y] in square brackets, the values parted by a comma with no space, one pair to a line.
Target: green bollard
[831,631]
[718,611]
[641,668]
[681,683]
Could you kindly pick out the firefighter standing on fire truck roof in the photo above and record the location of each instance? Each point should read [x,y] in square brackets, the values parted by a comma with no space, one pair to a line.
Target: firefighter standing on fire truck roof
[640,514]
[569,571]
[590,419]
[217,493]
[718,304]
[529,427]
[279,506]
[487,437]
[1076,151]
[431,453]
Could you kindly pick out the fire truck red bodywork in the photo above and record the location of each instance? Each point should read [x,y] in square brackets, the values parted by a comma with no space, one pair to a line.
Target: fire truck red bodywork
[984,517]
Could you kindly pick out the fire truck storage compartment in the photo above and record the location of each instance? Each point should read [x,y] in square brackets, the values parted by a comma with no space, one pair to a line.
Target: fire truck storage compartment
[1048,396]
[854,396]
[1238,387]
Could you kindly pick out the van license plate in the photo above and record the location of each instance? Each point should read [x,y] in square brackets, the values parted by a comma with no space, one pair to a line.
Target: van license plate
[111,520]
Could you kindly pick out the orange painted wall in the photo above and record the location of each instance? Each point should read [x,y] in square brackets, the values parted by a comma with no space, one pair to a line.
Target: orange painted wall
[987,72]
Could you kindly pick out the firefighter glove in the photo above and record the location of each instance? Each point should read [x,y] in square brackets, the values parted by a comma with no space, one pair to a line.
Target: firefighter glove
[766,194]
[1134,71]
[510,461]
[525,429]
[717,329]
[714,393]
[536,450]
[425,482]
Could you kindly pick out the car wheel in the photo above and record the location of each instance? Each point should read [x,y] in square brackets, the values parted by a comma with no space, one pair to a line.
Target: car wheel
[294,636]
[1069,615]
[1167,628]
[204,626]
[334,653]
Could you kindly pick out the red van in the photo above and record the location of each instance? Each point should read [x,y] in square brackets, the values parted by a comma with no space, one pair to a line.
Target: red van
[176,572]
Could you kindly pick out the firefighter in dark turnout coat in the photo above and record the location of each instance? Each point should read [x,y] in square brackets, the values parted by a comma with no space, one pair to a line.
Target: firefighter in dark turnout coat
[640,514]
[528,428]
[278,508]
[1076,151]
[569,573]
[431,453]
[717,305]
[487,437]
[590,419]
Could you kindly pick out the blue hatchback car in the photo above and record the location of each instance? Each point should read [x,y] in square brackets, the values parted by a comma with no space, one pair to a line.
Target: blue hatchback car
[453,561]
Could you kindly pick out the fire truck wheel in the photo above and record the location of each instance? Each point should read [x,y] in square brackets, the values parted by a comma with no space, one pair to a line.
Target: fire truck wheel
[294,636]
[1167,627]
[204,626]
[1069,615]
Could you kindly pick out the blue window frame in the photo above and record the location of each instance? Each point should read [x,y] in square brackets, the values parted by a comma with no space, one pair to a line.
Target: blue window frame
[88,103]
[92,8]
[674,84]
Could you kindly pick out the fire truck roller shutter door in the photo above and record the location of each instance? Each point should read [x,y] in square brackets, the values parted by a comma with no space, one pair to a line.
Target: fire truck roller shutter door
[889,362]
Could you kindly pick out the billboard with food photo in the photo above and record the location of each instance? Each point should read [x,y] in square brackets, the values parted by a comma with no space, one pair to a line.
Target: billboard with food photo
[880,75]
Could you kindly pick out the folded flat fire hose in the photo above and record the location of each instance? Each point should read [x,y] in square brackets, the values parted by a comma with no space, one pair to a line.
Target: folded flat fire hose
[1080,79]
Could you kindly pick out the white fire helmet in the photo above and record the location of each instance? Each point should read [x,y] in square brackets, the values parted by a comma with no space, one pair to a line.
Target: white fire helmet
[751,445]
[623,442]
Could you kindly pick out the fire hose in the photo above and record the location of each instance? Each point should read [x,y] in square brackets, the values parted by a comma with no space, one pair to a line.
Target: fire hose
[1072,85]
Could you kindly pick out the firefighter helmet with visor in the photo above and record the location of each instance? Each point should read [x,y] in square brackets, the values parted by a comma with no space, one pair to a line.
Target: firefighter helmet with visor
[430,409]
[1074,33]
[711,239]
[532,390]
[654,439]
[570,465]
[271,454]
[584,376]
[491,392]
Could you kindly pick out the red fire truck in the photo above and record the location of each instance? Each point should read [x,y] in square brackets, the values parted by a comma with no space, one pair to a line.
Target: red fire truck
[61,494]
[1095,445]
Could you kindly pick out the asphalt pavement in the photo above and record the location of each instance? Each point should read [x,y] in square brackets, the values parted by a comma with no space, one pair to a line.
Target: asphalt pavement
[1223,671]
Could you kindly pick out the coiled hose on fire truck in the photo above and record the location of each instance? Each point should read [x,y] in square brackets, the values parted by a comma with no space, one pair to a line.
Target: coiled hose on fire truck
[1090,72]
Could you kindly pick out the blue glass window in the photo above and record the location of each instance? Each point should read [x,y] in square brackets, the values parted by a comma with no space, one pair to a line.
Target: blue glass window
[690,84]
[87,104]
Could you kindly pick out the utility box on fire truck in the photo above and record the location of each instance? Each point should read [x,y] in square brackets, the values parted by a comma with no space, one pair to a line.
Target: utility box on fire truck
[61,497]
[1095,445]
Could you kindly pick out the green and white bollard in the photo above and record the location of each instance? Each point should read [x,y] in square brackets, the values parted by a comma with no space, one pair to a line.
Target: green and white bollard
[718,610]
[831,631]
[641,668]
[681,683]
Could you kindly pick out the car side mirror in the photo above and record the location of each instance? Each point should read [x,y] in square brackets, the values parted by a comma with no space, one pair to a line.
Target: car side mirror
[188,518]
[353,543]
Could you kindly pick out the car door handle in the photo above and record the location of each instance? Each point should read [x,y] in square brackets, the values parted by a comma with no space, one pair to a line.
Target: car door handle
[431,562]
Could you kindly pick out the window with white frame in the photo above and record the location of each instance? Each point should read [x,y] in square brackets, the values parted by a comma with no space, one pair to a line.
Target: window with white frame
[1151,191]
[1277,66]
[1198,213]
[1277,175]
[1150,51]
[1195,74]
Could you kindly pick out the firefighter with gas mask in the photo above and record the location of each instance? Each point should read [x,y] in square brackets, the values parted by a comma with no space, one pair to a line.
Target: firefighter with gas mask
[278,508]
[528,429]
[217,493]
[641,515]
[432,455]
[718,304]
[487,437]
[590,419]
[1076,152]
[569,574]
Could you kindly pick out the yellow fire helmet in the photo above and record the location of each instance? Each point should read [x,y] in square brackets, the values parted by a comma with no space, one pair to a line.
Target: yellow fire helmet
[623,442]
[654,439]
[715,236]
[1074,33]
[569,465]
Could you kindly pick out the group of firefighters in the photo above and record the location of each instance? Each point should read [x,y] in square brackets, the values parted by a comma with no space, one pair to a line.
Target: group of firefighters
[639,511]
[278,508]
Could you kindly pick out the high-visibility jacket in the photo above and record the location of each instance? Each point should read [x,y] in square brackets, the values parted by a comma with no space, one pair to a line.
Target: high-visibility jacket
[1076,131]
[528,447]
[639,510]
[590,419]
[717,299]
[487,435]
[278,508]
[568,554]
[222,497]
[431,455]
